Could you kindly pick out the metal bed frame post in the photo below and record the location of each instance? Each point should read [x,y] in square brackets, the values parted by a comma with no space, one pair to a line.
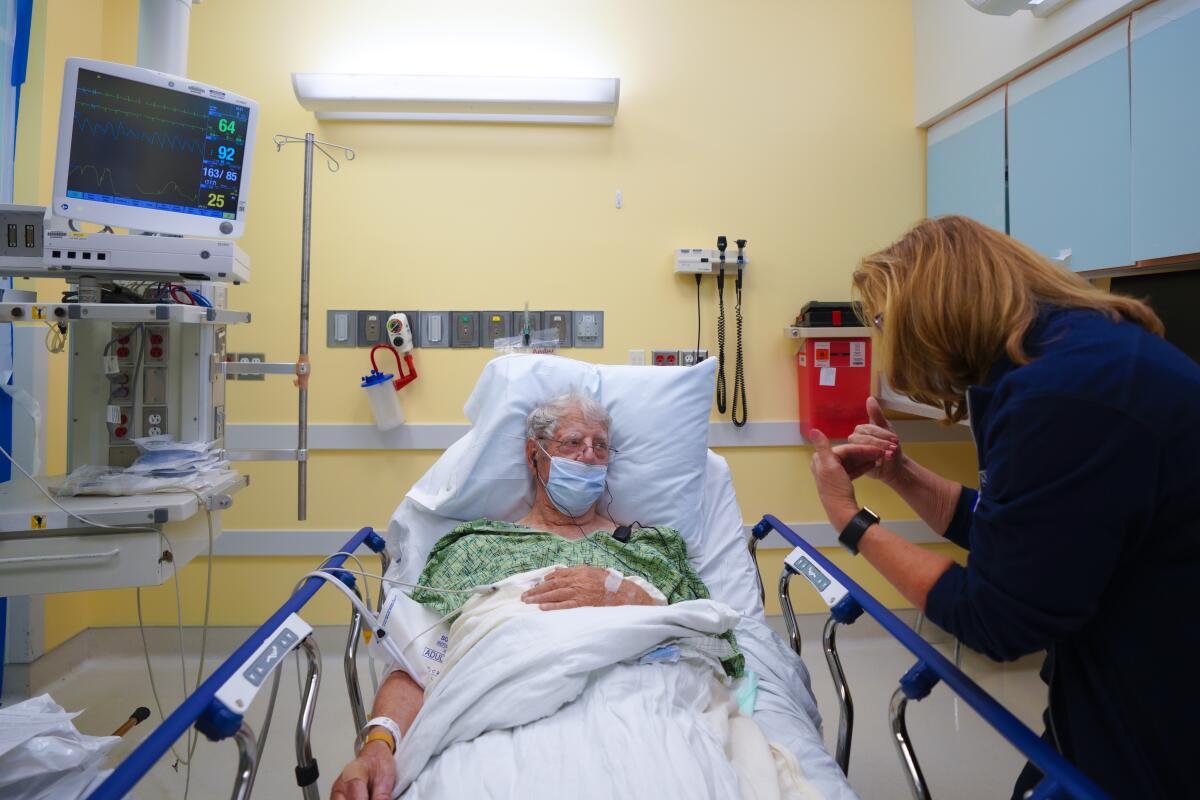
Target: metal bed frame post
[247,761]
[306,766]
[845,701]
[350,666]
[789,613]
[1061,779]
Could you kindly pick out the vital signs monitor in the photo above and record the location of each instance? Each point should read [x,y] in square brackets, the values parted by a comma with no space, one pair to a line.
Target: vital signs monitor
[143,150]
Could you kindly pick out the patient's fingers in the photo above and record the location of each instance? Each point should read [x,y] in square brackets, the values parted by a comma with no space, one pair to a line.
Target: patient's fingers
[559,606]
[554,596]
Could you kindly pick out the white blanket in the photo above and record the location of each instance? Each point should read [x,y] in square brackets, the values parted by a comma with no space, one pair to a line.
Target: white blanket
[548,705]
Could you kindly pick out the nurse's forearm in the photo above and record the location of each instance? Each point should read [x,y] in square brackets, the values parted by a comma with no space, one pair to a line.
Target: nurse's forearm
[910,568]
[927,493]
[400,698]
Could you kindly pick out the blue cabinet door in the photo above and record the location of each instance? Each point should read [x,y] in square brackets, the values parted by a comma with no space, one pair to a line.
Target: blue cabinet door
[964,163]
[1165,72]
[1068,154]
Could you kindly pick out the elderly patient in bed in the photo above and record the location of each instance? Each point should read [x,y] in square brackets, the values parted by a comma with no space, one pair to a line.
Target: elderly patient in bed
[568,453]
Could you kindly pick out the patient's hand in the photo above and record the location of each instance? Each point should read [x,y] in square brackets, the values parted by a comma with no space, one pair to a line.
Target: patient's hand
[371,776]
[572,587]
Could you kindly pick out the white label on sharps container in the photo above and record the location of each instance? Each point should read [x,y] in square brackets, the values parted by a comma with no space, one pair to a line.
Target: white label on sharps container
[820,354]
[858,354]
[828,376]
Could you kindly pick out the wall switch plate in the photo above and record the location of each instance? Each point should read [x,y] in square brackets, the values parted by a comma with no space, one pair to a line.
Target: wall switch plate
[494,325]
[588,328]
[464,329]
[518,322]
[690,358]
[637,358]
[435,329]
[372,327]
[341,328]
[560,323]
[664,358]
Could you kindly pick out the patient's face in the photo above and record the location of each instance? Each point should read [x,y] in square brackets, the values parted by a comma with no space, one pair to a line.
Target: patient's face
[575,437]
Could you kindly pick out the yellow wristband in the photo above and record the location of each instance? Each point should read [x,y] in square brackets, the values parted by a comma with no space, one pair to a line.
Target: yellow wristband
[380,735]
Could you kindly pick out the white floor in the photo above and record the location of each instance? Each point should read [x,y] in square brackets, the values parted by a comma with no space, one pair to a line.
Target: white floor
[961,757]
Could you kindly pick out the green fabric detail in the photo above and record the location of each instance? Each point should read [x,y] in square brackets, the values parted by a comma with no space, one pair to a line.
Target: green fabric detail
[487,551]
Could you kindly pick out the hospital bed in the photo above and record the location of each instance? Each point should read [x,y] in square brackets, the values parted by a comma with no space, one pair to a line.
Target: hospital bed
[664,471]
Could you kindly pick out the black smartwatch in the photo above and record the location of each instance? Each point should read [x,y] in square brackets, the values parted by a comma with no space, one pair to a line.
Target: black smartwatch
[854,530]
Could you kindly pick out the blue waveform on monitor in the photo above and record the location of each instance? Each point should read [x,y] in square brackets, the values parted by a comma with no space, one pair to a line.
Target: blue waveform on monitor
[119,130]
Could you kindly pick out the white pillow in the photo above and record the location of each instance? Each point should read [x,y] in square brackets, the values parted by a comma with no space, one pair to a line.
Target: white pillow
[660,426]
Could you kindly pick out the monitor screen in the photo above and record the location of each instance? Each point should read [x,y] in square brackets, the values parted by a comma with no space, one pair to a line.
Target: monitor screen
[140,149]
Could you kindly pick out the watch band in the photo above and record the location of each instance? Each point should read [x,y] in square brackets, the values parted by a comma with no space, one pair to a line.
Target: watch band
[388,724]
[854,530]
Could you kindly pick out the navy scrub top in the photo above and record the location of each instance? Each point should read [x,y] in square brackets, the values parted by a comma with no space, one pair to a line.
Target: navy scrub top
[1084,541]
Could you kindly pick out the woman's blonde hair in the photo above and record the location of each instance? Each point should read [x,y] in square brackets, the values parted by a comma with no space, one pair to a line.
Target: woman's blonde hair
[952,296]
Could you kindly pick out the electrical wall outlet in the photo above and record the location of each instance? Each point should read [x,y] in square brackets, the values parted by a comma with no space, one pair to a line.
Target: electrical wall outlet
[494,325]
[464,329]
[154,421]
[435,329]
[372,327]
[560,323]
[664,358]
[588,328]
[690,358]
[637,358]
[252,358]
[341,328]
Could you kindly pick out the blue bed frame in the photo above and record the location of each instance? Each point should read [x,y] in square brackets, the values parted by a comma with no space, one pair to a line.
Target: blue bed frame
[217,722]
[1062,779]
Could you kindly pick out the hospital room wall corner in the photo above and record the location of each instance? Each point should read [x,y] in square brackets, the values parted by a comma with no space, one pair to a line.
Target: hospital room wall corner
[807,151]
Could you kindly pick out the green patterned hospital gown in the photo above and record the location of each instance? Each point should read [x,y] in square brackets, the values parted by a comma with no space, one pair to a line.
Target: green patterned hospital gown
[486,551]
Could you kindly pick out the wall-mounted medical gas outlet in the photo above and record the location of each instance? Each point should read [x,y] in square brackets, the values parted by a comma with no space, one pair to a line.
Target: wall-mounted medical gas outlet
[372,327]
[664,358]
[341,329]
[435,329]
[493,325]
[464,329]
[588,328]
[518,322]
[560,323]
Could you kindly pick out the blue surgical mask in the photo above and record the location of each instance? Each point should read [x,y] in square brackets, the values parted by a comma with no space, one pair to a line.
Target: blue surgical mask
[574,487]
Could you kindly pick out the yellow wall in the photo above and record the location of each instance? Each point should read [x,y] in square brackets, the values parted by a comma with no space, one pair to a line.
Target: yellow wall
[789,124]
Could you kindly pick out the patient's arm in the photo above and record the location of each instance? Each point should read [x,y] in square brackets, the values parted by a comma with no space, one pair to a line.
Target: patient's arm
[372,775]
[572,587]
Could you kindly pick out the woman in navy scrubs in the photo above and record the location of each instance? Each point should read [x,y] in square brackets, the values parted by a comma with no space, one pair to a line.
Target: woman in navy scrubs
[1083,536]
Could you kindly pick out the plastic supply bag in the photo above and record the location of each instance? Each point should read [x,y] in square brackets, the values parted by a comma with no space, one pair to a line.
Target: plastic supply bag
[117,482]
[43,755]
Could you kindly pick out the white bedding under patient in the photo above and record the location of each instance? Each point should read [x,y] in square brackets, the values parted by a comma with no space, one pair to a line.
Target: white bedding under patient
[553,705]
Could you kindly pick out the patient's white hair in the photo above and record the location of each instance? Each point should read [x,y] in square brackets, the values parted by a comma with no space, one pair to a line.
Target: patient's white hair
[543,420]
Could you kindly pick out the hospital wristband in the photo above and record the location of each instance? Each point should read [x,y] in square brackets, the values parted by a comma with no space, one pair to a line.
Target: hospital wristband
[390,732]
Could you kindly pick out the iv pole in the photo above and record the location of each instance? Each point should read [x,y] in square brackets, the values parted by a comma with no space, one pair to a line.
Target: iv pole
[303,368]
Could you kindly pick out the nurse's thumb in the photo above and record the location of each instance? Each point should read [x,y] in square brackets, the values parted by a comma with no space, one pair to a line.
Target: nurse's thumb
[820,443]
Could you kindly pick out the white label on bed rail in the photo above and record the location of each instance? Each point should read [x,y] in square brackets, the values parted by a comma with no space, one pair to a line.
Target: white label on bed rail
[238,692]
[830,590]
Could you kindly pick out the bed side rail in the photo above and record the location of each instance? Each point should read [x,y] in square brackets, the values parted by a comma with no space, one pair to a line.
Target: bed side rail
[215,718]
[848,600]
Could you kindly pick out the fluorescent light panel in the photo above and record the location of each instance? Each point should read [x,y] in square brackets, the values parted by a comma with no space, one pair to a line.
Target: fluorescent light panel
[447,98]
